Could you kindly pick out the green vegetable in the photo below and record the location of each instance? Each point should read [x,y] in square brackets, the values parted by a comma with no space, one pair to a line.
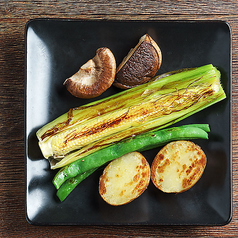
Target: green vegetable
[151,106]
[140,143]
[68,186]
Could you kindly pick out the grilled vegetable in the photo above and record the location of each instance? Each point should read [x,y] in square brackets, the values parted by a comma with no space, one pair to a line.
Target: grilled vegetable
[139,143]
[71,183]
[124,179]
[140,64]
[178,166]
[154,105]
[94,77]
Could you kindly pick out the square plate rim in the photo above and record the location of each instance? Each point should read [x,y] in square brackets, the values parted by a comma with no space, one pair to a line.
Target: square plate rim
[28,23]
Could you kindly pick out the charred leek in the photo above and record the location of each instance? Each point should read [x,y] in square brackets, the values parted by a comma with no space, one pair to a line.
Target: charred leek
[154,105]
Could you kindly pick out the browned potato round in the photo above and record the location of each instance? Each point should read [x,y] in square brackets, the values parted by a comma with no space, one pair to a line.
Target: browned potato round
[178,166]
[124,179]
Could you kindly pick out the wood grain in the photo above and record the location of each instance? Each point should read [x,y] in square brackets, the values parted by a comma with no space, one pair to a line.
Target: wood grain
[13,17]
[131,7]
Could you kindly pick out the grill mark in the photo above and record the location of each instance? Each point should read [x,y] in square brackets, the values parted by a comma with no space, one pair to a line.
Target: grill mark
[189,181]
[105,125]
[61,126]
[94,130]
[142,113]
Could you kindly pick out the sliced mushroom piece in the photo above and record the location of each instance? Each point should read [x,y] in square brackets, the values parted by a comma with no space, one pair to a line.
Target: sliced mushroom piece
[140,65]
[94,77]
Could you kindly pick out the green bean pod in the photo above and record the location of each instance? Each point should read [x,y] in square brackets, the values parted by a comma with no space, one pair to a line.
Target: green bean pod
[140,143]
[69,185]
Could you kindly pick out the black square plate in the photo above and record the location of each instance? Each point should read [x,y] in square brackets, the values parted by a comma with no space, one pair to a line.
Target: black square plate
[55,49]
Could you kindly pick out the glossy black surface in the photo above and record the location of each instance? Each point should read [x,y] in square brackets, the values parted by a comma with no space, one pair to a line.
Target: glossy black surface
[55,49]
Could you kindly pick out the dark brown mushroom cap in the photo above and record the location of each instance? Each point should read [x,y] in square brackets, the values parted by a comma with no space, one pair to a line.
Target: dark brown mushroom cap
[140,65]
[94,77]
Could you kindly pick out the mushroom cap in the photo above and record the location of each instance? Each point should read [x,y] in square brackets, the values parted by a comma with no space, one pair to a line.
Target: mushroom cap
[140,64]
[94,77]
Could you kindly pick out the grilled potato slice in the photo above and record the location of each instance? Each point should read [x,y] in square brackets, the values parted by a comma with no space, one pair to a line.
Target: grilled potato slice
[124,179]
[178,166]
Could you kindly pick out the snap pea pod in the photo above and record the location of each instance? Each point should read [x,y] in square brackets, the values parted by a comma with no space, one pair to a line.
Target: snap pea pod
[140,143]
[69,185]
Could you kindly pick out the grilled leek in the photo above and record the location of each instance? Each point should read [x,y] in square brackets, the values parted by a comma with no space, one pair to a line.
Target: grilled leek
[154,105]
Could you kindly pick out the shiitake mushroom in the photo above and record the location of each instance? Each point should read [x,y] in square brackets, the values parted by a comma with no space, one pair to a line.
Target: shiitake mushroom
[94,77]
[140,65]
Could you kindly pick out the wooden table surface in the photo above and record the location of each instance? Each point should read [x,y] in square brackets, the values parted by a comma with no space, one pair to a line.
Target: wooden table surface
[13,17]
